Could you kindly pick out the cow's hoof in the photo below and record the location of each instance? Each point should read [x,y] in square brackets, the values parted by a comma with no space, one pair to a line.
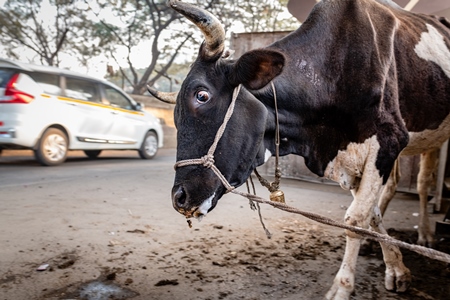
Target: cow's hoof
[426,240]
[339,291]
[338,295]
[398,280]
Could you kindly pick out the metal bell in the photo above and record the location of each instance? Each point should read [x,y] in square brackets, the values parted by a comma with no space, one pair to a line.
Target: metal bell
[277,196]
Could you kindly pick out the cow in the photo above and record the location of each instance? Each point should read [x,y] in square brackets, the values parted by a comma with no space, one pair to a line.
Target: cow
[359,83]
[425,179]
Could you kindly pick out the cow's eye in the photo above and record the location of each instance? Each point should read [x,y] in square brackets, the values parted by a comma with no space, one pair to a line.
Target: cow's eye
[202,96]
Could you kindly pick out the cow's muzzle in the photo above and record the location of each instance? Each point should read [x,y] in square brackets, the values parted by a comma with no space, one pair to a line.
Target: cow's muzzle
[181,203]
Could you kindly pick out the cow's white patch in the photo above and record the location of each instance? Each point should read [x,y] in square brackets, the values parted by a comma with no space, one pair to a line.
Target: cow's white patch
[267,155]
[432,47]
[206,205]
[428,139]
[348,166]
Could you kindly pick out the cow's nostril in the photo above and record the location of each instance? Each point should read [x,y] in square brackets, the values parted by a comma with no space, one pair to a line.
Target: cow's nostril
[179,197]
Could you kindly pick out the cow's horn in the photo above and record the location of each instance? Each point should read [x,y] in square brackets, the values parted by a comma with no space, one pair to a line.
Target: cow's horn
[163,96]
[210,26]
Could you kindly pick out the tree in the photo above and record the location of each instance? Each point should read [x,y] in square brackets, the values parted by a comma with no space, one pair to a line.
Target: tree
[45,30]
[143,20]
[258,16]
[150,19]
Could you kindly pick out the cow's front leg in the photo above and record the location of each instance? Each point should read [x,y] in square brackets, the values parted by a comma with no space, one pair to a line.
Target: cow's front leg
[358,214]
[398,276]
[386,196]
[389,188]
[344,282]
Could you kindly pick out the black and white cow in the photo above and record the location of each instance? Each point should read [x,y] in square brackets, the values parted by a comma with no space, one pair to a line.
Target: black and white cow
[425,178]
[358,84]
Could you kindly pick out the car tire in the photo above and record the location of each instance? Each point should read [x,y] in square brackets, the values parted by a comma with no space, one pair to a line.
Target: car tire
[52,147]
[149,146]
[92,153]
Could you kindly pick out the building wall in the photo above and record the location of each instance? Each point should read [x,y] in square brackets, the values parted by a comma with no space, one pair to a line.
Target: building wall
[243,42]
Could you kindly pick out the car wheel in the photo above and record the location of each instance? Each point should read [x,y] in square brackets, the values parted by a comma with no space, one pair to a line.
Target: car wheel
[149,146]
[52,148]
[92,153]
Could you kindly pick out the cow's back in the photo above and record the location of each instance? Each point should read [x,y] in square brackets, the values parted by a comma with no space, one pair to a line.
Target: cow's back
[422,55]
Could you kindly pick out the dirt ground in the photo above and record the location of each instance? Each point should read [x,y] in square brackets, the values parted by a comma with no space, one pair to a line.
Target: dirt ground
[107,236]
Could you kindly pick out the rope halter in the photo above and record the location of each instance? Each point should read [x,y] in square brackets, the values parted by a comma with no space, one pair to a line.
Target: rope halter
[208,160]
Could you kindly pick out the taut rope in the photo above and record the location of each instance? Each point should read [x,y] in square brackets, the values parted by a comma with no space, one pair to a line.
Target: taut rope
[384,238]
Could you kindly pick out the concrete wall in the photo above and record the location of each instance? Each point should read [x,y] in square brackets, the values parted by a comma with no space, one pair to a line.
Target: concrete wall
[243,42]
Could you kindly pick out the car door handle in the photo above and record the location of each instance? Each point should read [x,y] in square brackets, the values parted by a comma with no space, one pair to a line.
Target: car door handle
[114,112]
[71,103]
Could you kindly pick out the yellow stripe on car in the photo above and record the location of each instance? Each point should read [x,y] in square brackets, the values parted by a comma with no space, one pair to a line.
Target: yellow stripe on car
[85,102]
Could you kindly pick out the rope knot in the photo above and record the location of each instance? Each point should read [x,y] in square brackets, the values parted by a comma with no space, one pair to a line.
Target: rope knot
[207,160]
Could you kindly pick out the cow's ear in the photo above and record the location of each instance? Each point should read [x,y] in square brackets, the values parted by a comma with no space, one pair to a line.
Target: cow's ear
[256,68]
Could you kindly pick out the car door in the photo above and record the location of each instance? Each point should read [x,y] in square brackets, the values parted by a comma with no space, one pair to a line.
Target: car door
[130,124]
[92,120]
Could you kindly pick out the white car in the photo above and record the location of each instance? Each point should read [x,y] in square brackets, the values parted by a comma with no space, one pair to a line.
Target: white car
[53,110]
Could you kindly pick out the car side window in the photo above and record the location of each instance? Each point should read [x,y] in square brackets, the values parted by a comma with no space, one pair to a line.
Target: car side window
[5,76]
[48,82]
[82,90]
[116,99]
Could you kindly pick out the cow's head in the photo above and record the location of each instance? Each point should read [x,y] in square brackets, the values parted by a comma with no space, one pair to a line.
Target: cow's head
[201,105]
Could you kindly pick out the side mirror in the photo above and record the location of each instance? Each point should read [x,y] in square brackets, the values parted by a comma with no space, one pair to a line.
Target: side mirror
[139,106]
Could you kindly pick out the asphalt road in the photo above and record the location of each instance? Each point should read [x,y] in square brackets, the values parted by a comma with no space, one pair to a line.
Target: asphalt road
[19,167]
[116,186]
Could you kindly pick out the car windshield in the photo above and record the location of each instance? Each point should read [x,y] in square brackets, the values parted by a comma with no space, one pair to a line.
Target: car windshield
[117,99]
